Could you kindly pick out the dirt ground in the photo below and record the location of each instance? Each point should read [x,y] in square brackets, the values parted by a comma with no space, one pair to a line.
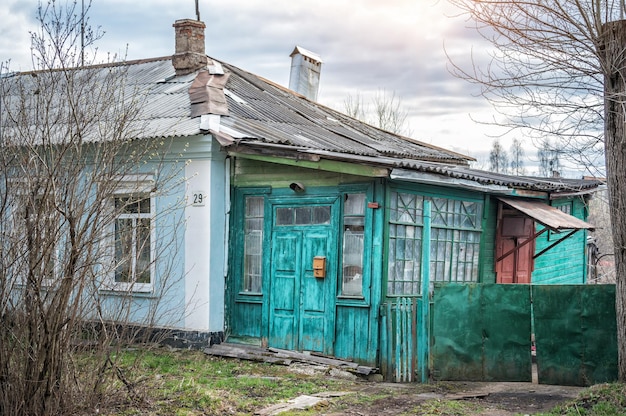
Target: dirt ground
[387,399]
[497,399]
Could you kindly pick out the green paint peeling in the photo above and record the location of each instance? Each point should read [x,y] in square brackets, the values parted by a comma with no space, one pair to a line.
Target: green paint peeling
[322,164]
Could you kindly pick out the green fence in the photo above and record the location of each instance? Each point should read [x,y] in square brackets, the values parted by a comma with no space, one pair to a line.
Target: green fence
[575,331]
[404,342]
[482,332]
[399,347]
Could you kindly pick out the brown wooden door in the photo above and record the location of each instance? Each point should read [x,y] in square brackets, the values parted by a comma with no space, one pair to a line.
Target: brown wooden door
[513,230]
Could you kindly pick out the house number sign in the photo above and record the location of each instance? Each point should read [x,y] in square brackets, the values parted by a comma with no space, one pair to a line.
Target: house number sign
[198,198]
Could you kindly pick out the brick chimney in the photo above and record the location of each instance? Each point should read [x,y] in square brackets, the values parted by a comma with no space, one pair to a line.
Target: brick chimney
[190,54]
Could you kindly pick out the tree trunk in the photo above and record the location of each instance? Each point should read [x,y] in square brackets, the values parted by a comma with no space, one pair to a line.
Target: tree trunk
[612,51]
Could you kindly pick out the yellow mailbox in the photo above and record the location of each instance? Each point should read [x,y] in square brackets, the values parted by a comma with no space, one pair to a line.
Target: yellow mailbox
[319,266]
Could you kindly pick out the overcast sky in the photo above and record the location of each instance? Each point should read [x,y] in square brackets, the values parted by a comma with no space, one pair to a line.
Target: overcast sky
[366,46]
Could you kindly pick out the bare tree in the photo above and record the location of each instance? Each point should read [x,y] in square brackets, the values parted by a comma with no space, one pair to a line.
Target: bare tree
[517,158]
[354,106]
[387,113]
[549,160]
[498,158]
[557,71]
[76,232]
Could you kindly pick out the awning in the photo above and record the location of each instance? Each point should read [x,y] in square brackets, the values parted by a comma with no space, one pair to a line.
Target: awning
[548,216]
[551,218]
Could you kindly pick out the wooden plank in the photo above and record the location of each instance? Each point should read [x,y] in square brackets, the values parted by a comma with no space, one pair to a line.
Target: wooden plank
[413,338]
[314,358]
[251,354]
[249,357]
[390,338]
[283,357]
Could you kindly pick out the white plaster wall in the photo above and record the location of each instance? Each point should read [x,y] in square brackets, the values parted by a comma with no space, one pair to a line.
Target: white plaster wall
[197,246]
[204,242]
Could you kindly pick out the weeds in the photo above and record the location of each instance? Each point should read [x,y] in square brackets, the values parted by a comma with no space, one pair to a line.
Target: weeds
[598,400]
[191,383]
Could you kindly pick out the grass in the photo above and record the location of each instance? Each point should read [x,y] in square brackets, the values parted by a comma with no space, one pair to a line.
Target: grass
[446,408]
[598,400]
[190,383]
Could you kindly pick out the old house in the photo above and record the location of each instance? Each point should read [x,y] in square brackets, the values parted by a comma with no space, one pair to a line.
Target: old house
[301,223]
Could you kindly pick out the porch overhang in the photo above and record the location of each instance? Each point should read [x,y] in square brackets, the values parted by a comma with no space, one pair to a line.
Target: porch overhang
[548,216]
[551,218]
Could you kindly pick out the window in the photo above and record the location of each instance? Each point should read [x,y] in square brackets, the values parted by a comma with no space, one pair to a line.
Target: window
[454,242]
[565,207]
[253,244]
[303,215]
[133,240]
[405,244]
[353,244]
[35,236]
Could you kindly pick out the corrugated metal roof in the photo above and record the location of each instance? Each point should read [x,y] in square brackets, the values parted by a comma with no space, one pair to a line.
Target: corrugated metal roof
[547,215]
[493,178]
[261,113]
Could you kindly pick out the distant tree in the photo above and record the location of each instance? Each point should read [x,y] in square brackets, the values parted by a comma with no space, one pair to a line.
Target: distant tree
[387,112]
[498,158]
[517,158]
[549,161]
[354,106]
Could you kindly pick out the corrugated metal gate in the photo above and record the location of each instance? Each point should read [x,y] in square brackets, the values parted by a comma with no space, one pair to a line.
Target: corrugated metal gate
[482,332]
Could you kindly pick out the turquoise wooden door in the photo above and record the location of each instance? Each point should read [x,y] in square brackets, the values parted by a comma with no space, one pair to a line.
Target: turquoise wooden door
[301,305]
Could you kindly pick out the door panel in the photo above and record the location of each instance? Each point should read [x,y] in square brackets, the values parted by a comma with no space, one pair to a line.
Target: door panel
[513,231]
[284,298]
[314,293]
[506,267]
[301,304]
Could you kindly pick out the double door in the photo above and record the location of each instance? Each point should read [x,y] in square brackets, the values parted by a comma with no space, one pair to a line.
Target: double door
[302,282]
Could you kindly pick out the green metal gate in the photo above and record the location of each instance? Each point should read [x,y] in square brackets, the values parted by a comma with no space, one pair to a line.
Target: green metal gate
[576,334]
[482,332]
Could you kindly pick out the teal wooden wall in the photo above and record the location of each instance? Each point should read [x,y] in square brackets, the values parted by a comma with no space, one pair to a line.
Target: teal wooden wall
[251,173]
[357,326]
[488,245]
[355,334]
[356,323]
[565,263]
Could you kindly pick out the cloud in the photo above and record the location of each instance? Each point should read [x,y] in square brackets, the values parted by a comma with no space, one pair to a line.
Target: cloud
[366,45]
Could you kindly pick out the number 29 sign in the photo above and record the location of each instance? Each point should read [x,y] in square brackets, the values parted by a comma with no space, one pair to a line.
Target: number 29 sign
[198,198]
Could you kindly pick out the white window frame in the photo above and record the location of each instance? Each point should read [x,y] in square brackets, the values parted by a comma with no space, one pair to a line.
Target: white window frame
[131,185]
[20,185]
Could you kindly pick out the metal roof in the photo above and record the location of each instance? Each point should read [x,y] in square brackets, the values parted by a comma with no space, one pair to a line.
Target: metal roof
[547,215]
[263,115]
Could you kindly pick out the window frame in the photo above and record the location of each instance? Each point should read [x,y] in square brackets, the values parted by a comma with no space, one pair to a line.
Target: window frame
[245,254]
[21,193]
[418,225]
[238,264]
[133,186]
[363,299]
[569,205]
